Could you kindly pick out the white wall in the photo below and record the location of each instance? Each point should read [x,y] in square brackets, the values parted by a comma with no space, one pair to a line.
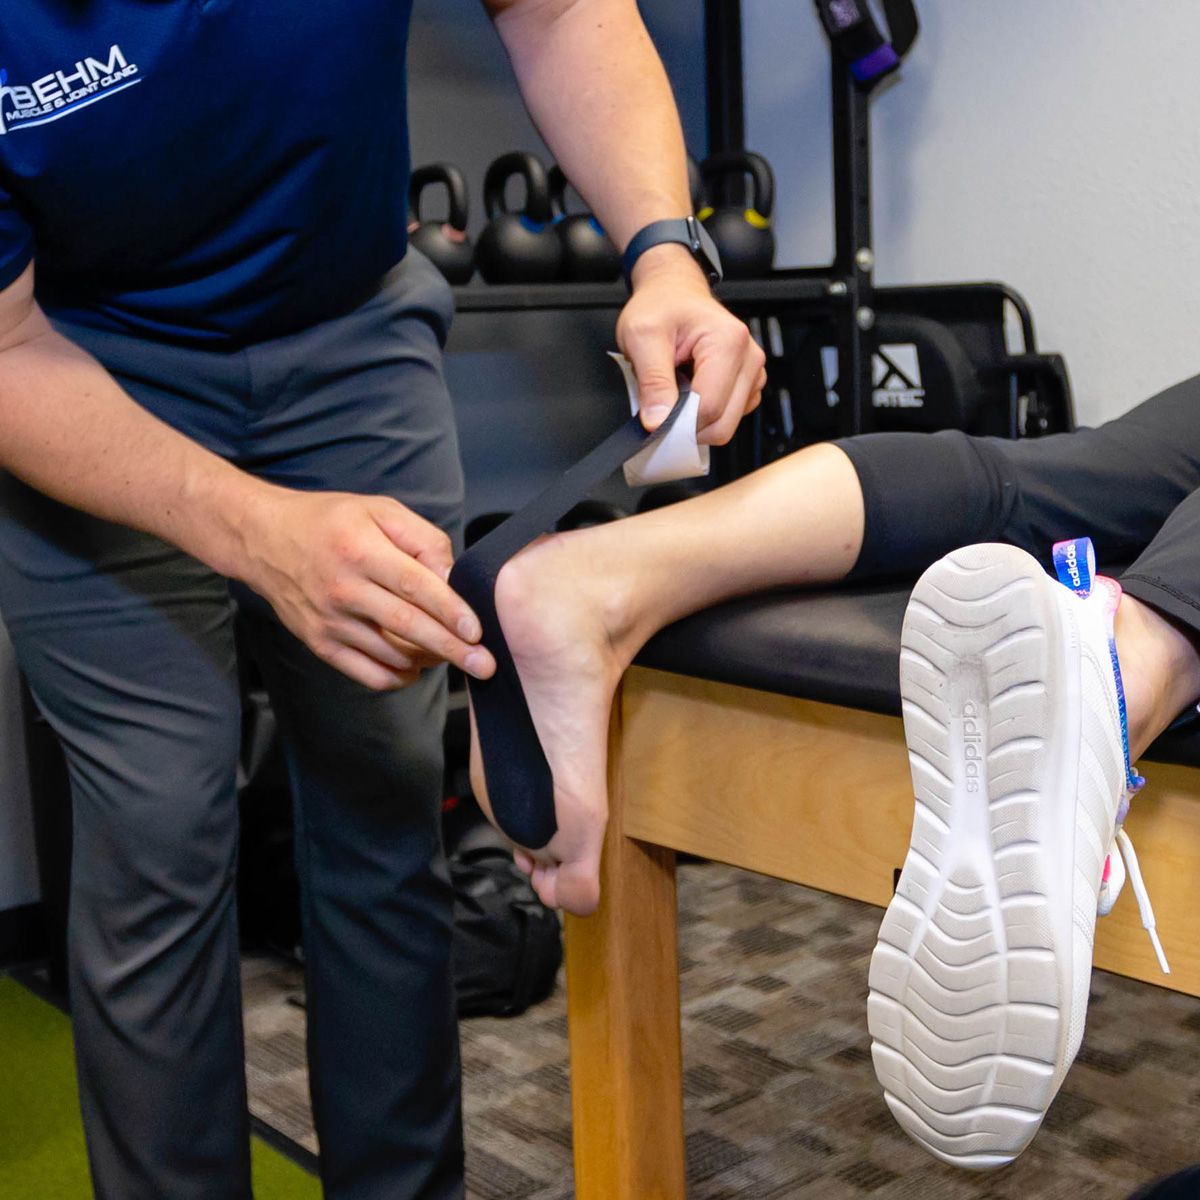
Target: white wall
[1051,146]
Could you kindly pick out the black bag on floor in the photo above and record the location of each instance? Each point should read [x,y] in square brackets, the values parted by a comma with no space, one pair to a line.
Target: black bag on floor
[507,943]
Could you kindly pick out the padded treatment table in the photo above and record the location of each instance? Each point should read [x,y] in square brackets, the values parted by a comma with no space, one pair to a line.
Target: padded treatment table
[765,733]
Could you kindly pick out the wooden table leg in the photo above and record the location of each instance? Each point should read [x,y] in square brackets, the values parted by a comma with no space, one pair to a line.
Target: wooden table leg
[623,1007]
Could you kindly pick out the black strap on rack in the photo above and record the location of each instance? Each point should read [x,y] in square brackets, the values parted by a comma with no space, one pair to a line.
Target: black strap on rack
[873,47]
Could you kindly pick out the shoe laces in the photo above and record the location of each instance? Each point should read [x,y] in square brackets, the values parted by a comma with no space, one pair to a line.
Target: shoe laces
[1075,563]
[1122,861]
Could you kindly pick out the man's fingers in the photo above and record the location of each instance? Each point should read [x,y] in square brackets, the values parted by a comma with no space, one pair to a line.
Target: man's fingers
[743,398]
[421,586]
[365,670]
[652,352]
[407,618]
[411,533]
[726,374]
[716,375]
[418,605]
[397,654]
[420,658]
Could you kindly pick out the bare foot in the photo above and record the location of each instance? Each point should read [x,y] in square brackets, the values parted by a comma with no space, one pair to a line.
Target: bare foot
[560,603]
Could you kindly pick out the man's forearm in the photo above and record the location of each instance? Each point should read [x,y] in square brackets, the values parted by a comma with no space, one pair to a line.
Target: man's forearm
[596,88]
[69,430]
[361,580]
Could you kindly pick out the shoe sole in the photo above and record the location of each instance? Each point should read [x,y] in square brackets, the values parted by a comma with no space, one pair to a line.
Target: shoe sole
[970,980]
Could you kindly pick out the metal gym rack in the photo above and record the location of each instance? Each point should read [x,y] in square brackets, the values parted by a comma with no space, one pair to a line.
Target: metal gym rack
[986,388]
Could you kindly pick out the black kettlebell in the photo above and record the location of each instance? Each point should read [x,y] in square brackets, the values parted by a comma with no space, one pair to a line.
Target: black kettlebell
[742,232]
[444,243]
[588,254]
[518,247]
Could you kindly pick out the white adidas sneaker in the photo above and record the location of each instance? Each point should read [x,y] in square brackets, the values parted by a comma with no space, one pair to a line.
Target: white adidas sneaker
[1015,721]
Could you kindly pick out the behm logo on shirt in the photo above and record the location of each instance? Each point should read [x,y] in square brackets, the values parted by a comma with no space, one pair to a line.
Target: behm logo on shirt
[61,93]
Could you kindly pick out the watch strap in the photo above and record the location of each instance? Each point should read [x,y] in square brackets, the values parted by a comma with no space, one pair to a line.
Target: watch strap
[686,231]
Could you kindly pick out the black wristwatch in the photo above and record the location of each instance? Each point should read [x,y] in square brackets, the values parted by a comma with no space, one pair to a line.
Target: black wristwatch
[688,232]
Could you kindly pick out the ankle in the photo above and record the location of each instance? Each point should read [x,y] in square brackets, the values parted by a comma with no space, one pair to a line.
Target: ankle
[621,584]
[583,567]
[1160,670]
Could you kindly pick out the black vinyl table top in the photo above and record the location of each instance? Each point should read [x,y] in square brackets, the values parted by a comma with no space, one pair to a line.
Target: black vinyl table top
[837,646]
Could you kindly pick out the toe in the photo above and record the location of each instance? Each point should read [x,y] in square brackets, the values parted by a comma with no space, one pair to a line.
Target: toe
[578,887]
[543,881]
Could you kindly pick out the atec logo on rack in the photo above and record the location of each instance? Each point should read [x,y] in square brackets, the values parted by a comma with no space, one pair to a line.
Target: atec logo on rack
[61,93]
[895,376]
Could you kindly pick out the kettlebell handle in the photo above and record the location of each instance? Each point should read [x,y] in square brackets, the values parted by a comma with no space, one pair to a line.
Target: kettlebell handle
[745,162]
[456,189]
[537,186]
[559,184]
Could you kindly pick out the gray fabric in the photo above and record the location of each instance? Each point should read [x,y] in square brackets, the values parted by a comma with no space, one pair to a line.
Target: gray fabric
[1132,485]
[128,647]
[18,859]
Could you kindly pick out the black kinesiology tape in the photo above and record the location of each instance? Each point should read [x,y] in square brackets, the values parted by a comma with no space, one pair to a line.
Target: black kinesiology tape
[519,783]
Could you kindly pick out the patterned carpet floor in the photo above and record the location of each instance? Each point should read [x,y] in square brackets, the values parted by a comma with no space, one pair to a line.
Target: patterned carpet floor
[780,1098]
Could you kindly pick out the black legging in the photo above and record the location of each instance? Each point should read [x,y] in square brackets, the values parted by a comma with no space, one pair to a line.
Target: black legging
[1132,485]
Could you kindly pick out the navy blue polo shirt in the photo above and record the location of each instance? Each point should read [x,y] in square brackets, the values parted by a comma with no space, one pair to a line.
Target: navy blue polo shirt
[207,172]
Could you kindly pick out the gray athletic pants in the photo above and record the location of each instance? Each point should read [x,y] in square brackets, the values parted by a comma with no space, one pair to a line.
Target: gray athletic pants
[127,644]
[1132,485]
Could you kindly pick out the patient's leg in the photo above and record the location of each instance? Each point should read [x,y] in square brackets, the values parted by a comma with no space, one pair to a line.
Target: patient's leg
[577,607]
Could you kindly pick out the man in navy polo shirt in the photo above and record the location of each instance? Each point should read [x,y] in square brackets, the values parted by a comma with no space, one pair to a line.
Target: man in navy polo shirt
[220,372]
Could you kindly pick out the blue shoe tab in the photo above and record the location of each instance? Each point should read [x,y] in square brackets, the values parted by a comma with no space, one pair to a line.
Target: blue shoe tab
[1133,781]
[1075,562]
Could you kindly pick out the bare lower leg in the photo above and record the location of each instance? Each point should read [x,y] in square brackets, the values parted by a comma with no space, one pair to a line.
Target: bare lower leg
[1160,669]
[798,522]
[801,522]
[576,608]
